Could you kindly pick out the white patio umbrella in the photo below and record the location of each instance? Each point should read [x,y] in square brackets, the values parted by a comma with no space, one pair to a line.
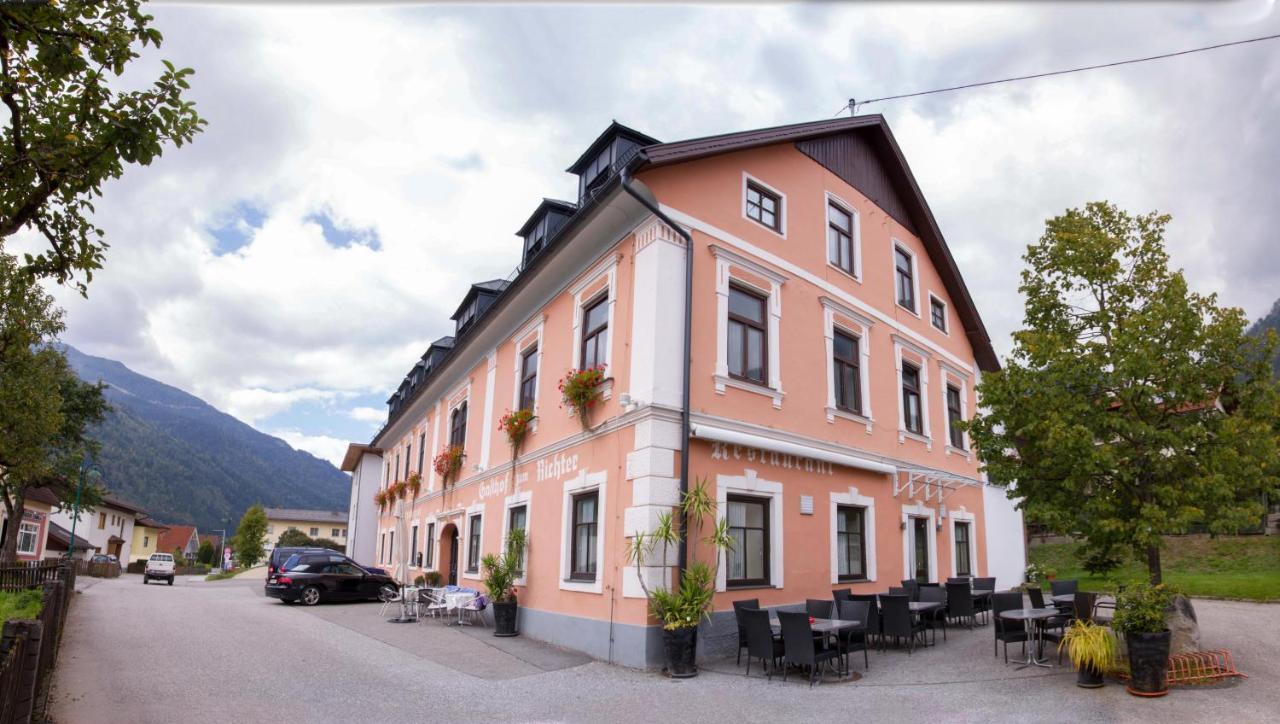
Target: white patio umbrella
[401,571]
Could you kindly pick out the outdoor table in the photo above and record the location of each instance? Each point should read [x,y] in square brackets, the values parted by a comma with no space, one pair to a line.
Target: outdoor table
[458,600]
[924,606]
[827,627]
[1028,617]
[1065,599]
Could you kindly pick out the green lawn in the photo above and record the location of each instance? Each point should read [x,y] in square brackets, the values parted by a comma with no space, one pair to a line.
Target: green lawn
[20,604]
[1246,567]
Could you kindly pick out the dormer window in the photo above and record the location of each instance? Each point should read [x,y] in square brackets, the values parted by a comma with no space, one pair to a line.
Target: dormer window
[611,149]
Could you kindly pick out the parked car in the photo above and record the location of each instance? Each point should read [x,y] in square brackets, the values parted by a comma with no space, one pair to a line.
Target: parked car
[159,567]
[105,558]
[318,577]
[296,558]
[280,555]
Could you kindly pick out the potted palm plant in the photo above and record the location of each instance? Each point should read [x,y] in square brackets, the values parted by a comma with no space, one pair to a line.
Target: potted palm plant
[500,574]
[1140,612]
[1092,650]
[681,608]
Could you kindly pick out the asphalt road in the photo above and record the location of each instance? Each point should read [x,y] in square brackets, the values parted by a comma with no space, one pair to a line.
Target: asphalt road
[221,652]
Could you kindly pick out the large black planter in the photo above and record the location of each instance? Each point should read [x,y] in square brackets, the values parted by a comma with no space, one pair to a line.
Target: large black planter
[680,646]
[504,618]
[1088,677]
[1148,663]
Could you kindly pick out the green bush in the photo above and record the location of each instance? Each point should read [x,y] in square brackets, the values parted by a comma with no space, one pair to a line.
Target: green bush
[433,578]
[1140,608]
[20,604]
[220,575]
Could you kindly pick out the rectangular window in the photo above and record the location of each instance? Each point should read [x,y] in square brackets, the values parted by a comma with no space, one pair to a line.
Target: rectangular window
[583,553]
[413,546]
[146,541]
[102,521]
[271,529]
[430,545]
[840,238]
[408,456]
[953,416]
[382,549]
[851,543]
[473,543]
[595,333]
[905,277]
[28,536]
[391,546]
[517,518]
[748,560]
[764,206]
[911,417]
[938,313]
[964,566]
[528,378]
[748,336]
[848,383]
[458,426]
[422,450]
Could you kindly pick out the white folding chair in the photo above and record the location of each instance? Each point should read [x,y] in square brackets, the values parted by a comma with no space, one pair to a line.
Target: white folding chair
[389,596]
[431,603]
[473,610]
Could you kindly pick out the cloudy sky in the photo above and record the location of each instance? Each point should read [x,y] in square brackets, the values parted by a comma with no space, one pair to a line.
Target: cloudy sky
[363,164]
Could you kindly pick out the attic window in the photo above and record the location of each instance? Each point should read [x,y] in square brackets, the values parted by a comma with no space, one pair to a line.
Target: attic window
[467,316]
[536,239]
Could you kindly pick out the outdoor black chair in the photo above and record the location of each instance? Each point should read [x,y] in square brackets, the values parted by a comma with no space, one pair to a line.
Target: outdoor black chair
[1006,631]
[896,620]
[1036,596]
[1084,607]
[742,632]
[761,642]
[960,603]
[898,591]
[873,615]
[983,584]
[819,607]
[841,594]
[912,587]
[1051,629]
[854,639]
[799,648]
[1061,588]
[934,594]
[961,579]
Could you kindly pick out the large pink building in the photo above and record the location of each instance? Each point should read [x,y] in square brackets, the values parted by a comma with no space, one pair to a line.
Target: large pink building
[832,345]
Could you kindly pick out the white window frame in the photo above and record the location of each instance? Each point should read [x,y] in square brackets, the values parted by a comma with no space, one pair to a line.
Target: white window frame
[963,516]
[430,527]
[726,262]
[951,375]
[919,510]
[860,328]
[850,209]
[530,336]
[946,315]
[899,344]
[35,537]
[413,545]
[583,482]
[782,204]
[868,504]
[915,277]
[465,549]
[750,484]
[609,269]
[525,498]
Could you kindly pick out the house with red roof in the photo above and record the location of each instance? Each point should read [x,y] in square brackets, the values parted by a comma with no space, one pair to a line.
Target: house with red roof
[184,539]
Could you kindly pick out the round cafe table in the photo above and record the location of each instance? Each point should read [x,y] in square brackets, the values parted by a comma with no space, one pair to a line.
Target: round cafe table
[1028,617]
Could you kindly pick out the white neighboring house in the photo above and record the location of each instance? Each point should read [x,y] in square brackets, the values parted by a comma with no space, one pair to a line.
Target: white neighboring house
[364,462]
[108,527]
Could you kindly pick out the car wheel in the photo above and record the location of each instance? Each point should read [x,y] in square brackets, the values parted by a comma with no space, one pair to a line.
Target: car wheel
[170,581]
[144,580]
[310,596]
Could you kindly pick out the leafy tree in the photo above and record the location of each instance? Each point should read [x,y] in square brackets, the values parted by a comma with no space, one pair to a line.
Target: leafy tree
[293,538]
[71,127]
[44,407]
[328,543]
[247,542]
[1131,407]
[205,552]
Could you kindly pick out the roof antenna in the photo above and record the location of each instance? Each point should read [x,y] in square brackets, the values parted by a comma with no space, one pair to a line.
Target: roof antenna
[853,108]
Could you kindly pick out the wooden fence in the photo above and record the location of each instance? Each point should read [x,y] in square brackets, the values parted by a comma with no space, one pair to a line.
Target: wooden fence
[29,648]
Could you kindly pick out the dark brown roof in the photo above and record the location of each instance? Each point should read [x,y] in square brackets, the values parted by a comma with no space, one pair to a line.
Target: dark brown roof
[42,495]
[61,535]
[176,538]
[147,521]
[895,163]
[354,451]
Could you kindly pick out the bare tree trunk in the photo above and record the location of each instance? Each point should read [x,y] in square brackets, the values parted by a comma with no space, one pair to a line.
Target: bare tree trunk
[1153,564]
[9,547]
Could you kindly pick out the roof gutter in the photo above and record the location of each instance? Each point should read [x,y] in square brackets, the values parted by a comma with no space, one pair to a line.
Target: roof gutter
[685,424]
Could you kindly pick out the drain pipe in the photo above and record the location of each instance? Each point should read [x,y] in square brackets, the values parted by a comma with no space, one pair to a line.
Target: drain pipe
[685,426]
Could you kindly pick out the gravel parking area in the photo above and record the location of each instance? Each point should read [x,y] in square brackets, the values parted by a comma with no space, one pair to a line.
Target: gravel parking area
[222,652]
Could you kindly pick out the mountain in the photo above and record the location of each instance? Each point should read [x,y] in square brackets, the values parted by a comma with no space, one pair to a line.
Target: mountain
[186,462]
[1271,321]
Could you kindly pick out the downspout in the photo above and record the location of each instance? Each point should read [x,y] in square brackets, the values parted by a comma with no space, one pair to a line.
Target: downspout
[685,426]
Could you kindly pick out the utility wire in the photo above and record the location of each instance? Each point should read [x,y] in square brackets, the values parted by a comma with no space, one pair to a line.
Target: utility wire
[1162,56]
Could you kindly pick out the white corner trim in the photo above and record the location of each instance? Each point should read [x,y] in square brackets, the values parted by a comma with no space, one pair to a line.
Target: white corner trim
[868,504]
[919,510]
[782,205]
[486,432]
[749,484]
[581,483]
[735,259]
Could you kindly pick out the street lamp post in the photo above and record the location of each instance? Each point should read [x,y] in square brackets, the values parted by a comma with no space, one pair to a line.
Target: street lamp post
[221,547]
[87,469]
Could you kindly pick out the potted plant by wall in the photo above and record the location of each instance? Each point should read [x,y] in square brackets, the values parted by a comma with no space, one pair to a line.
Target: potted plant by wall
[448,463]
[516,426]
[580,391]
[1140,612]
[1092,650]
[681,608]
[380,498]
[433,578]
[414,485]
[500,574]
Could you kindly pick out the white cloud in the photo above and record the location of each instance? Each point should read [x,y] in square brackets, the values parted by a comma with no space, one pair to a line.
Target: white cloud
[322,446]
[367,414]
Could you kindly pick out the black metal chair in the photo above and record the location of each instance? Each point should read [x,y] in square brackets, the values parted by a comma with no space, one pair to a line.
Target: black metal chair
[873,615]
[1036,596]
[1062,588]
[912,587]
[742,632]
[761,642]
[799,648]
[934,594]
[854,639]
[841,594]
[983,584]
[819,607]
[898,591]
[896,620]
[1006,631]
[1085,603]
[960,603]
[1051,629]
